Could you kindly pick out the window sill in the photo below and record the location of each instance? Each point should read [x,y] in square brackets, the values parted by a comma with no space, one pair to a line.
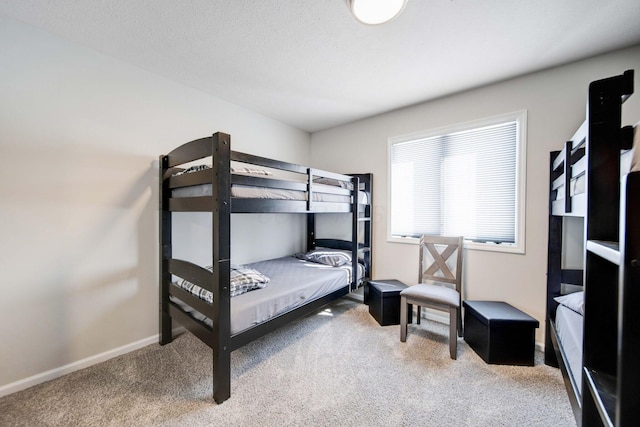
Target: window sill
[468,244]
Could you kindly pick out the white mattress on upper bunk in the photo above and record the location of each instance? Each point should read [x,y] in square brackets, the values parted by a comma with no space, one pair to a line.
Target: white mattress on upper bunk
[252,192]
[629,162]
[577,187]
[569,328]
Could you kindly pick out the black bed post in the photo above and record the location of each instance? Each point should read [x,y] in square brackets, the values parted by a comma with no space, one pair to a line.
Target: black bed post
[554,270]
[311,231]
[355,181]
[165,254]
[221,219]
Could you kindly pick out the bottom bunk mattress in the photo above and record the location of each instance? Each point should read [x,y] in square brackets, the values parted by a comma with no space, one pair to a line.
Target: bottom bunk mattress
[292,283]
[569,328]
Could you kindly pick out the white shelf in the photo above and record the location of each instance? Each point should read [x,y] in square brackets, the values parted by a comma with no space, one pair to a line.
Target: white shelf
[607,250]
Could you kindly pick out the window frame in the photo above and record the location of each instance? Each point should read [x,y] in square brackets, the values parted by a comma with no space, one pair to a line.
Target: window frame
[520,205]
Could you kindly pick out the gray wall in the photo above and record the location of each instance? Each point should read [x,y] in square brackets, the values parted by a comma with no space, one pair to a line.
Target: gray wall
[80,135]
[555,100]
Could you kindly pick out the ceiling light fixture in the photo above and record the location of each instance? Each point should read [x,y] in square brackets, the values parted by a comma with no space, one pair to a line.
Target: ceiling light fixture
[374,12]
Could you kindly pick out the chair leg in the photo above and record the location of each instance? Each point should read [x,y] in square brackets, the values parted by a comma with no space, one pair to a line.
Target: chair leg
[403,319]
[419,315]
[459,314]
[453,333]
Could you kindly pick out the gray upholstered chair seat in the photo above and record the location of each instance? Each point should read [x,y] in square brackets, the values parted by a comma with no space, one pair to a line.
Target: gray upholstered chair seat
[428,293]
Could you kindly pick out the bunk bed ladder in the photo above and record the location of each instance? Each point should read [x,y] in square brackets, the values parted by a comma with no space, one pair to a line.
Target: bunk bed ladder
[610,380]
[353,246]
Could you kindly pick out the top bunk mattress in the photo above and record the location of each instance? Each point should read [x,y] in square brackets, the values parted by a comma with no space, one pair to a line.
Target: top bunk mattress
[574,155]
[253,192]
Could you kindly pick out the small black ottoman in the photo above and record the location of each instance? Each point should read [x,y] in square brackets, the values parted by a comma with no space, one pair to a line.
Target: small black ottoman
[500,333]
[384,301]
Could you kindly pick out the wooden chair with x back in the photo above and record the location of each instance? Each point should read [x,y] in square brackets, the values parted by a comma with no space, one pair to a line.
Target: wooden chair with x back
[439,286]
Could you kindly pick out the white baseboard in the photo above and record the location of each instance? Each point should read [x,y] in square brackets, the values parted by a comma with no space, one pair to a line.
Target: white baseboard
[93,360]
[80,364]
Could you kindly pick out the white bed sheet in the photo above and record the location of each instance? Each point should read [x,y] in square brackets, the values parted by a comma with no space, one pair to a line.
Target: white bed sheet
[569,327]
[629,162]
[251,192]
[293,283]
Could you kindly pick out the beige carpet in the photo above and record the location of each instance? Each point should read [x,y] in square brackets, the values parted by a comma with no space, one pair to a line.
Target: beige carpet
[337,367]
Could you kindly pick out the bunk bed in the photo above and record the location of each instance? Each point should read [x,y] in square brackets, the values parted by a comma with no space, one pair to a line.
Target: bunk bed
[228,306]
[594,177]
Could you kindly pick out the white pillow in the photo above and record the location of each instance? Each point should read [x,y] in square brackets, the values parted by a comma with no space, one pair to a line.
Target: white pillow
[241,170]
[333,182]
[247,170]
[573,301]
[332,257]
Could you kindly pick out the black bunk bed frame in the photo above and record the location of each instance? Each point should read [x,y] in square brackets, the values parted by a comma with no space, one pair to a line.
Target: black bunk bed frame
[611,336]
[222,205]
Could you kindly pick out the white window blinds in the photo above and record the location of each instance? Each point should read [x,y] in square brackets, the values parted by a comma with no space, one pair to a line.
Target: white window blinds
[457,182]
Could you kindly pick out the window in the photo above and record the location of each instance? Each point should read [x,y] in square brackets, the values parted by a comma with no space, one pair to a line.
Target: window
[461,180]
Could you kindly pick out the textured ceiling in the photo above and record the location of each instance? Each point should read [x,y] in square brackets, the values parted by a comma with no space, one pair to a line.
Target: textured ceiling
[309,64]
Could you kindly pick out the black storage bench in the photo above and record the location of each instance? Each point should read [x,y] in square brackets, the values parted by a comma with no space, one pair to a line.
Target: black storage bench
[384,301]
[500,333]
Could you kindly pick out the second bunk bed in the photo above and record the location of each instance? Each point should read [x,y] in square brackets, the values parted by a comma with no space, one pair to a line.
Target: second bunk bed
[227,306]
[593,162]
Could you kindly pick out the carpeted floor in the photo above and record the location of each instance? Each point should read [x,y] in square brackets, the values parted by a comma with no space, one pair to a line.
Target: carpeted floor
[337,367]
